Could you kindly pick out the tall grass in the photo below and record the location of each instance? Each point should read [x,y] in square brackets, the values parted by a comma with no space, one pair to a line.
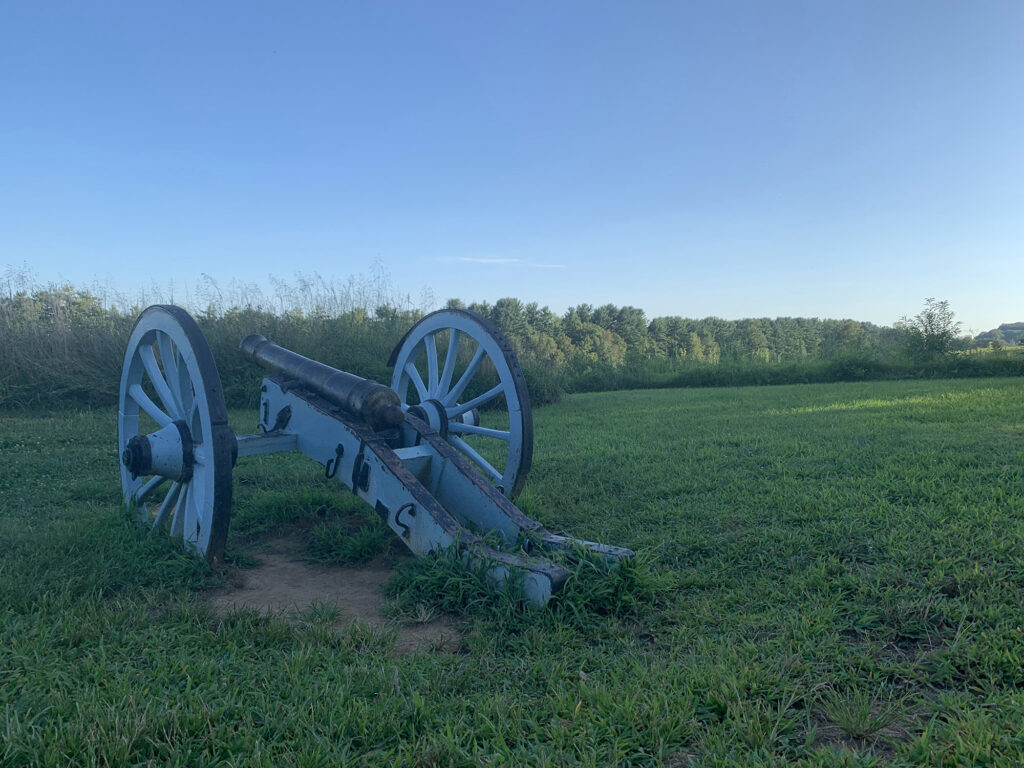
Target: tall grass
[64,346]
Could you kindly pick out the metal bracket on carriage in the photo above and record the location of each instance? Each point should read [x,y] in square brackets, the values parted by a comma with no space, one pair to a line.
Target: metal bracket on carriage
[282,419]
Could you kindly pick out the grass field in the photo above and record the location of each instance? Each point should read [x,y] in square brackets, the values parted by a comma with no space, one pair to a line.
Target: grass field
[828,575]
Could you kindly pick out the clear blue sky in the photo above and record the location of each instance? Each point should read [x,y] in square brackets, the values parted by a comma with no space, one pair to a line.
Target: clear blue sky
[829,159]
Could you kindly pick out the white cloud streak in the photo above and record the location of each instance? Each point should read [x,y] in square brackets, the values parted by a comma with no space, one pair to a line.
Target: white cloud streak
[478,260]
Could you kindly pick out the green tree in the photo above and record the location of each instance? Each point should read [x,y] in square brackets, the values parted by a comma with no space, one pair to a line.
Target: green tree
[631,324]
[583,313]
[510,316]
[543,320]
[605,316]
[932,332]
[752,339]
[694,347]
[712,350]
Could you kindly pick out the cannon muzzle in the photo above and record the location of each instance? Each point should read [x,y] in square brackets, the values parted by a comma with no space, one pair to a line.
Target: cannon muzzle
[377,405]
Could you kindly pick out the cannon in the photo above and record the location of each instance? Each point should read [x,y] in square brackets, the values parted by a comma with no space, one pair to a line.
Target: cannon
[440,454]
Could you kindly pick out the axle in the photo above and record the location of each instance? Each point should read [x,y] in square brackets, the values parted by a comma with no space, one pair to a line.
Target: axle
[376,404]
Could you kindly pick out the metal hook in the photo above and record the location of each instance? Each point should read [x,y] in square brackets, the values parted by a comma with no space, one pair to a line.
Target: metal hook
[360,471]
[331,467]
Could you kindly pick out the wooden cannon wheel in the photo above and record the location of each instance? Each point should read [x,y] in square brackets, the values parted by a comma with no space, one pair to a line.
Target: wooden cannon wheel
[177,450]
[456,371]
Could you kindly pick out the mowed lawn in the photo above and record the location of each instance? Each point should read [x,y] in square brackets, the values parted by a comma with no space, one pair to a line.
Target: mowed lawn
[827,575]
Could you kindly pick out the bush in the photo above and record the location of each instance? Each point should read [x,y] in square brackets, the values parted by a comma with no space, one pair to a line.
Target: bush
[60,346]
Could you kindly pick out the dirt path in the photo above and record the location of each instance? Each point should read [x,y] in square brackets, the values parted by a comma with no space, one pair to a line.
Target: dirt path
[285,585]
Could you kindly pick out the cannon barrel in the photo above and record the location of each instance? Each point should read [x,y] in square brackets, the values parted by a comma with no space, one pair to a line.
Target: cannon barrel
[377,405]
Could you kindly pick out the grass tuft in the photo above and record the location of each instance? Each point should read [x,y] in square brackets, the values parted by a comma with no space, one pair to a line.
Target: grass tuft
[861,714]
[598,586]
[336,542]
[443,582]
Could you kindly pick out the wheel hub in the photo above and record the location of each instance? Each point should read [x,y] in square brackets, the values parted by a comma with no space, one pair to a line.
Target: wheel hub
[168,452]
[436,415]
[432,412]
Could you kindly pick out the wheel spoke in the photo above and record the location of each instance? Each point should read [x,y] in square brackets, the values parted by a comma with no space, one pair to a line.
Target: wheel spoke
[417,381]
[171,373]
[476,402]
[195,424]
[472,429]
[168,502]
[137,394]
[163,391]
[449,362]
[184,383]
[148,488]
[191,532]
[476,458]
[178,516]
[449,400]
[431,346]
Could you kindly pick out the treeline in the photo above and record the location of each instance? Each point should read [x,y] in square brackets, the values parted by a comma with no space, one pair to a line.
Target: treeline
[1007,334]
[609,347]
[612,334]
[61,345]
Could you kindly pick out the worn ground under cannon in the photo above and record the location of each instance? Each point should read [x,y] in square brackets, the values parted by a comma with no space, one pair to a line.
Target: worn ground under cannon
[439,454]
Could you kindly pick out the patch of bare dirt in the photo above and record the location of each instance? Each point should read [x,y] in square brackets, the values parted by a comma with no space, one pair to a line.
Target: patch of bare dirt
[283,584]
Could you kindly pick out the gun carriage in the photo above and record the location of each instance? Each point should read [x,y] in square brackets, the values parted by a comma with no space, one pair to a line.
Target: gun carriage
[418,451]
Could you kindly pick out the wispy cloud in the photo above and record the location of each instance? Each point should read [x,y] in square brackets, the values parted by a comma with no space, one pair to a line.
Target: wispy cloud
[480,260]
[485,260]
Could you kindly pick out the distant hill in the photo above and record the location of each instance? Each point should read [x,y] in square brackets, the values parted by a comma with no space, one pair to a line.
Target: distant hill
[1011,333]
